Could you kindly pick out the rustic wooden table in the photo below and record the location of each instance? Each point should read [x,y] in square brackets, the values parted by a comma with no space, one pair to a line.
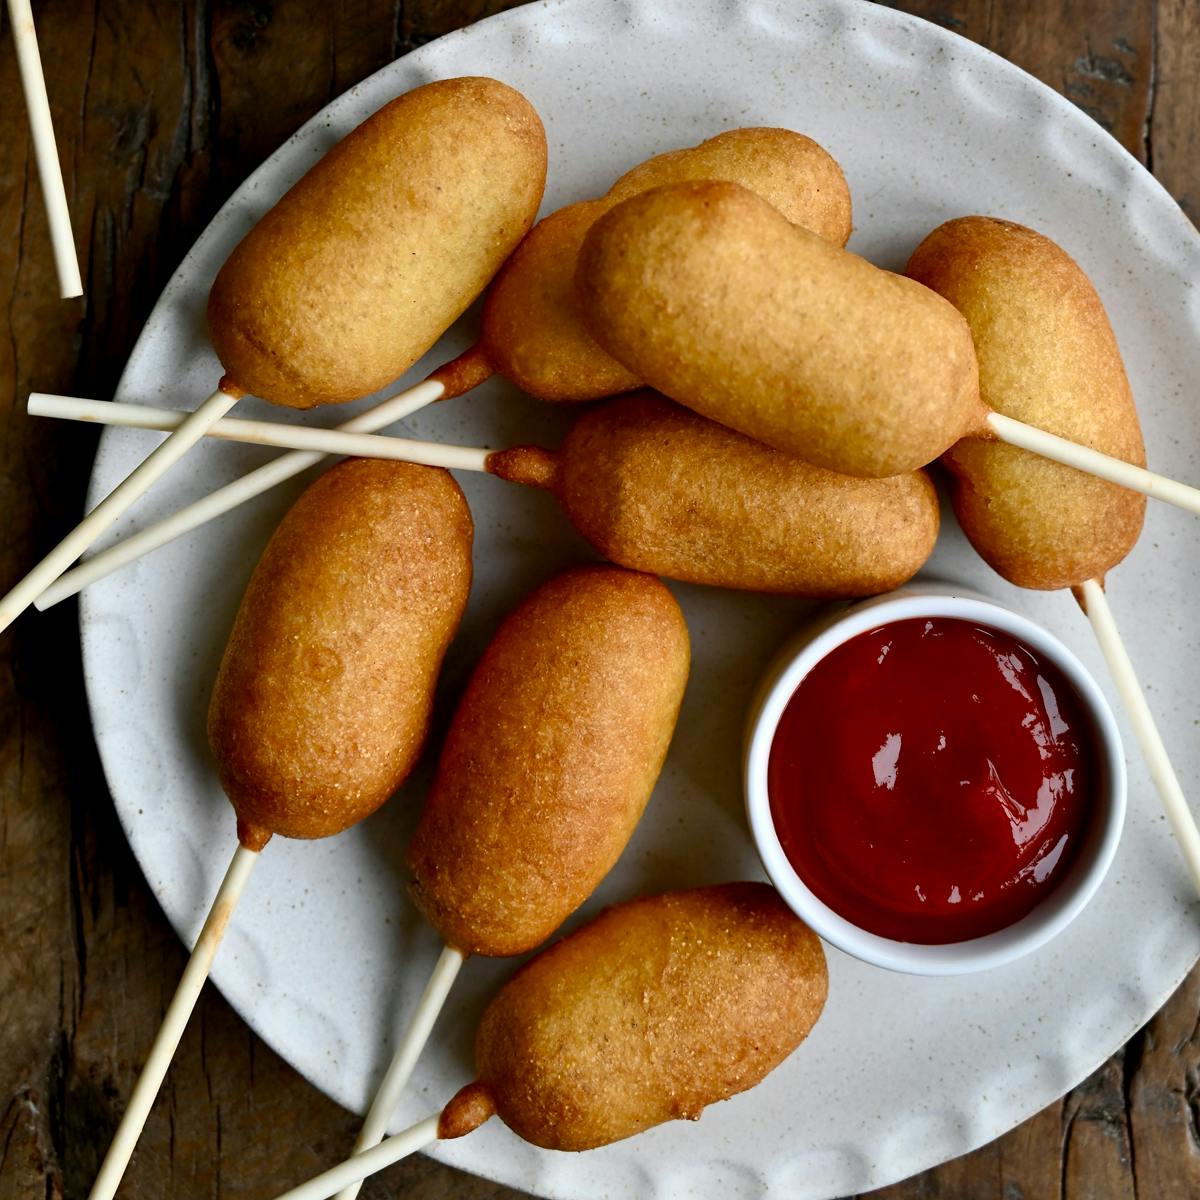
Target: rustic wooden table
[161,109]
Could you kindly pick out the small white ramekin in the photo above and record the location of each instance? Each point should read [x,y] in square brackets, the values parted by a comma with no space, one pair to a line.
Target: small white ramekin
[1091,862]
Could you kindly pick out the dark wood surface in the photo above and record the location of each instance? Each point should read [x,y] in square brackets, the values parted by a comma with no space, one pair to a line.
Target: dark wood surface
[161,109]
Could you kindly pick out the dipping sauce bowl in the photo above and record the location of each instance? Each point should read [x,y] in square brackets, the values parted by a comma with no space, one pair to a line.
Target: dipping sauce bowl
[934,782]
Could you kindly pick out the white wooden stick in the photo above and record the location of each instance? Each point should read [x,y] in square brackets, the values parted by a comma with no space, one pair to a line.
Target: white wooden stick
[171,1030]
[407,1052]
[54,195]
[113,505]
[286,466]
[338,441]
[1092,462]
[1179,816]
[263,433]
[356,1169]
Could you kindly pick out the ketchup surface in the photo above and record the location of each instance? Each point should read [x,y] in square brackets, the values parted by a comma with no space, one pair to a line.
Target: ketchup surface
[931,780]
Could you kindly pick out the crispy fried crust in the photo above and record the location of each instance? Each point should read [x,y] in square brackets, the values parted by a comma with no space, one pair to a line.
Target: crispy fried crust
[791,172]
[359,269]
[323,698]
[550,759]
[704,291]
[654,1010]
[1047,356]
[655,487]
[533,331]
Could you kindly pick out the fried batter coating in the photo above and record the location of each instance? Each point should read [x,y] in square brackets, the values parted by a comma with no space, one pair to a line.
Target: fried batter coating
[705,292]
[657,488]
[1047,356]
[323,697]
[533,331]
[551,758]
[654,1010]
[379,248]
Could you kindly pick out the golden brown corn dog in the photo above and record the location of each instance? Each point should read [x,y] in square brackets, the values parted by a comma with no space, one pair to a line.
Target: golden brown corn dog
[533,332]
[708,294]
[1047,356]
[657,488]
[654,1010]
[378,249]
[550,760]
[323,697]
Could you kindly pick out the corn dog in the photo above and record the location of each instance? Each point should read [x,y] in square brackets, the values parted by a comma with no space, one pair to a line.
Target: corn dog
[657,488]
[708,294]
[1047,356]
[376,251]
[323,697]
[550,760]
[649,1013]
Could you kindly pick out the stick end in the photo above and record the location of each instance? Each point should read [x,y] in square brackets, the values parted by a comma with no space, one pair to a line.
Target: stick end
[462,374]
[467,1110]
[252,836]
[230,387]
[530,465]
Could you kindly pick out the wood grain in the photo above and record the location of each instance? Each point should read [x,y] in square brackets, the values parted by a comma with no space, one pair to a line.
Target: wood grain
[1173,127]
[161,109]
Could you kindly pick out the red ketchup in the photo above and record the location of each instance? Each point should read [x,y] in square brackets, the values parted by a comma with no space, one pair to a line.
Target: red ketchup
[931,780]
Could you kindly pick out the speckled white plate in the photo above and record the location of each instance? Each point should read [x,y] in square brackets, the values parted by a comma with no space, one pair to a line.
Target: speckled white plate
[326,957]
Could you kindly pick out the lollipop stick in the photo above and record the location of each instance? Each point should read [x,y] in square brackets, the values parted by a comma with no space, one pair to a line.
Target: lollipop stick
[407,1052]
[1092,462]
[395,408]
[171,1030]
[264,433]
[356,1169]
[1095,604]
[113,505]
[54,196]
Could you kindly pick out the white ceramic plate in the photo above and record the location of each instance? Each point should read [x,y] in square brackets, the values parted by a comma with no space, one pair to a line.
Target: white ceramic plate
[326,957]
